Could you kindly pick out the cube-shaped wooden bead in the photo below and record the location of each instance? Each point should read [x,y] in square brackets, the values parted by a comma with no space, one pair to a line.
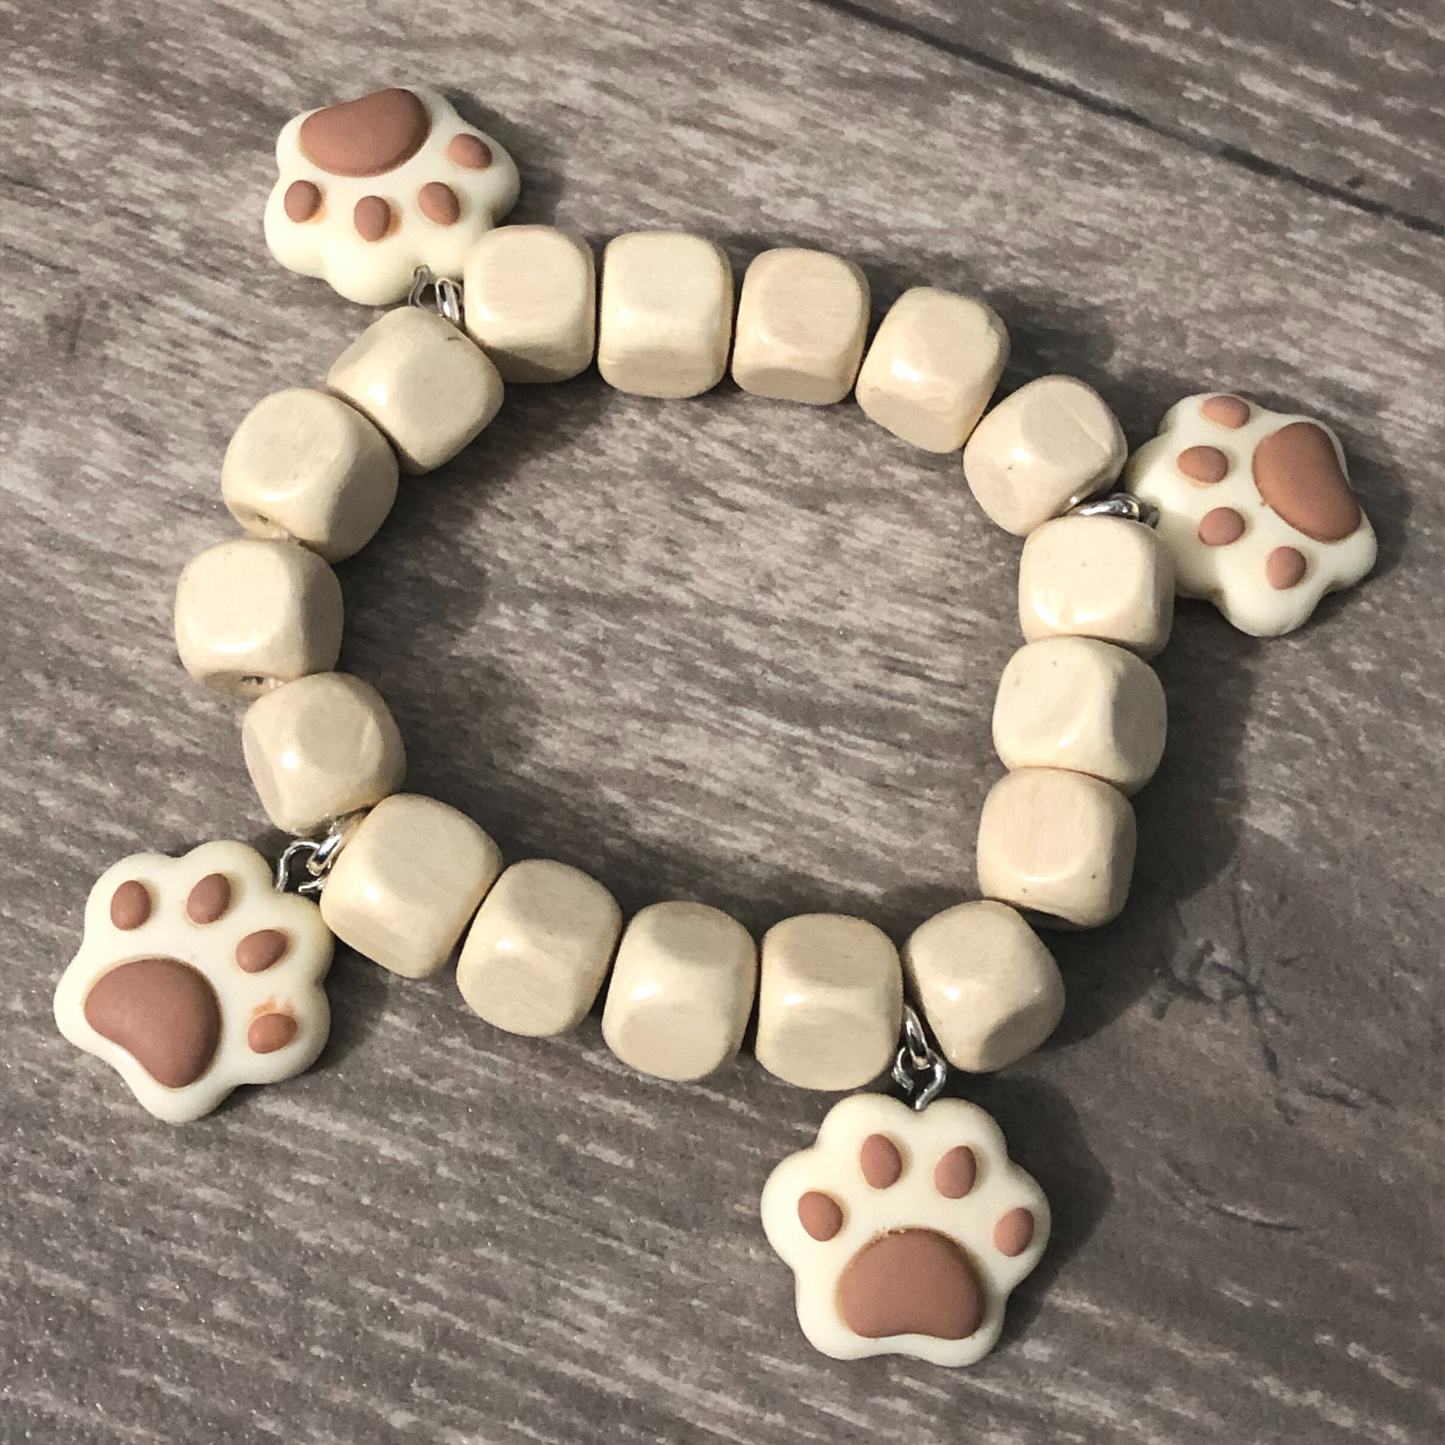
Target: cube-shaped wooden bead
[666,314]
[1057,845]
[681,990]
[254,613]
[539,948]
[802,322]
[407,882]
[1103,577]
[932,367]
[1084,705]
[426,384]
[532,302]
[319,748]
[1041,450]
[306,465]
[830,1001]
[990,990]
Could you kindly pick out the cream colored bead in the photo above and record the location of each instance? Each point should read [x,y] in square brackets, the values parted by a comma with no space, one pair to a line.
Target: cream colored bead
[1102,577]
[538,949]
[531,301]
[1076,703]
[1041,450]
[989,988]
[1056,844]
[932,367]
[666,314]
[303,464]
[802,322]
[319,748]
[407,883]
[427,385]
[830,1001]
[252,614]
[681,990]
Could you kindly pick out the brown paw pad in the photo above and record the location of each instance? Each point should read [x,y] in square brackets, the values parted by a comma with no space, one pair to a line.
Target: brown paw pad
[365,137]
[161,1011]
[911,1282]
[195,976]
[1255,509]
[905,1231]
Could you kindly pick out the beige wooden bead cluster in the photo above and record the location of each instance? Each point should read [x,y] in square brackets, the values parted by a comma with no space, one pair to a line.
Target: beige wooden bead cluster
[1079,719]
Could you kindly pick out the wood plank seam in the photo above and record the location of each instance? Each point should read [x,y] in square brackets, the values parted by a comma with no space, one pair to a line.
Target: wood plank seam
[1102,105]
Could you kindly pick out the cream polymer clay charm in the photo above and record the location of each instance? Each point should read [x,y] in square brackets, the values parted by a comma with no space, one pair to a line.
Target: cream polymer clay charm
[195,975]
[373,188]
[906,1227]
[1256,509]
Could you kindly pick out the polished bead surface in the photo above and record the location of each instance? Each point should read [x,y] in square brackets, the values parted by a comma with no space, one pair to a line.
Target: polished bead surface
[681,990]
[319,748]
[1081,704]
[802,321]
[932,367]
[306,465]
[426,384]
[253,613]
[1102,577]
[990,990]
[666,314]
[830,1001]
[1047,446]
[539,948]
[407,882]
[1056,845]
[531,302]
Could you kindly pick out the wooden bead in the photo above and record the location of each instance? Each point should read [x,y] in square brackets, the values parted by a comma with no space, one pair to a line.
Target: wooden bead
[426,384]
[306,465]
[538,949]
[932,367]
[1076,703]
[830,1001]
[531,301]
[666,314]
[990,990]
[802,322]
[319,748]
[681,990]
[252,614]
[1057,845]
[407,882]
[1102,577]
[1041,450]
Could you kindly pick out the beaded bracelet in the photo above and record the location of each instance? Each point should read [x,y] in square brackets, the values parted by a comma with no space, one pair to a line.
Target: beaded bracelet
[906,1223]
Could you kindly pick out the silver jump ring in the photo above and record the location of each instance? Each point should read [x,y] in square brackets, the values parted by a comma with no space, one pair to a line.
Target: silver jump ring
[446,295]
[1118,504]
[918,1068]
[317,857]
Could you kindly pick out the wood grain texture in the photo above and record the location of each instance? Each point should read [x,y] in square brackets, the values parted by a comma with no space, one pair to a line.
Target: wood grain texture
[726,650]
[1341,98]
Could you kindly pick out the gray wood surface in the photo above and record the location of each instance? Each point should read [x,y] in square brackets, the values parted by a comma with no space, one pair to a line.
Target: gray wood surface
[1340,98]
[745,653]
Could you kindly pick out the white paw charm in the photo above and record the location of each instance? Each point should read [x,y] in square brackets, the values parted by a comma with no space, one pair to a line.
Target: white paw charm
[373,188]
[906,1230]
[195,975]
[1256,509]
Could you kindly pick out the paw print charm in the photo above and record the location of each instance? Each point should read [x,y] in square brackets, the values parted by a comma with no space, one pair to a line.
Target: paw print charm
[906,1230]
[195,975]
[1255,507]
[373,188]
